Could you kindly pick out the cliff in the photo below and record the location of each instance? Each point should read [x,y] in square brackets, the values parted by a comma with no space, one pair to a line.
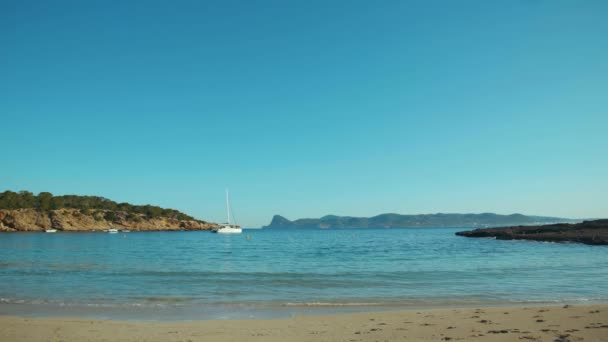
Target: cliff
[412,221]
[68,219]
[587,232]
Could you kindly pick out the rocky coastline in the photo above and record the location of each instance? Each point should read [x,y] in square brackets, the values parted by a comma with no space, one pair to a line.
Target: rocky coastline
[587,232]
[75,220]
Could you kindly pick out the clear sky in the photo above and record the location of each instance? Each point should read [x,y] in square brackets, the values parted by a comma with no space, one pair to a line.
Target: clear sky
[308,108]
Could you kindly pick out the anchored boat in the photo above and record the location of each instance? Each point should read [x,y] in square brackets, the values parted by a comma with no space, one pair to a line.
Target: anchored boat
[227,227]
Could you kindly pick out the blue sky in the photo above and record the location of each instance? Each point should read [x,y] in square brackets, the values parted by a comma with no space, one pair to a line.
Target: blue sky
[309,108]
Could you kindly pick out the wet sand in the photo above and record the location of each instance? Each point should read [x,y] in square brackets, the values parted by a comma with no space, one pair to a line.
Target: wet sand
[548,323]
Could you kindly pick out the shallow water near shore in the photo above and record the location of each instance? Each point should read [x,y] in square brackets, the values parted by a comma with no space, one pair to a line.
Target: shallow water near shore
[275,273]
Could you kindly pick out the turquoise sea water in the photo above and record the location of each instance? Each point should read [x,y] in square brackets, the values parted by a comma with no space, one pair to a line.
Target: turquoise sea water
[198,275]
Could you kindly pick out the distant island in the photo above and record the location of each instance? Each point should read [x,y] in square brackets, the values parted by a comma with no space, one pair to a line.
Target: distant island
[24,211]
[413,221]
[588,232]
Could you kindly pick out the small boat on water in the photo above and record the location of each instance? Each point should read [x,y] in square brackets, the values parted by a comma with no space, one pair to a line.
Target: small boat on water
[112,230]
[51,230]
[227,227]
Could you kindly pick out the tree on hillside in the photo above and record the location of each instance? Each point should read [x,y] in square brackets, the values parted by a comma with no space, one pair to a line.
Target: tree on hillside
[45,201]
[57,202]
[9,200]
[27,199]
[109,216]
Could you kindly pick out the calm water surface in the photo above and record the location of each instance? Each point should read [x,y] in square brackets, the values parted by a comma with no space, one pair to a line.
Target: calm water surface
[197,275]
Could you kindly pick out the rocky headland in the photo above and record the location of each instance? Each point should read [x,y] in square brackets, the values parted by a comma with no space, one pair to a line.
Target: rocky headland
[74,220]
[23,211]
[587,232]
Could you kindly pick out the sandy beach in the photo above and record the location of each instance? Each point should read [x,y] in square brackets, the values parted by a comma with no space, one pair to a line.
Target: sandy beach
[547,323]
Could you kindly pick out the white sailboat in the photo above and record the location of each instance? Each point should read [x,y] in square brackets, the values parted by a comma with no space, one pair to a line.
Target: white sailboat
[228,228]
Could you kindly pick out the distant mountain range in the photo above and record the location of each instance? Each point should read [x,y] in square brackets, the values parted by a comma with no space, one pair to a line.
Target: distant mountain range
[411,221]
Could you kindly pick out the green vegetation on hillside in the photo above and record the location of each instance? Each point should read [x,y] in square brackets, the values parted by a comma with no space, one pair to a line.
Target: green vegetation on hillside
[46,201]
[422,220]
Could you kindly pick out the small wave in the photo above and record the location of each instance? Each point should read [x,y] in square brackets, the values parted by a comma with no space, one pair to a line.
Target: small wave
[169,300]
[329,304]
[562,300]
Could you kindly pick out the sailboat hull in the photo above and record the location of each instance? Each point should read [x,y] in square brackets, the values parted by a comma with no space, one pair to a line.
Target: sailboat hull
[228,230]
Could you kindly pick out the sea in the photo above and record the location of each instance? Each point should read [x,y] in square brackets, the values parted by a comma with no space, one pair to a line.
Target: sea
[269,273]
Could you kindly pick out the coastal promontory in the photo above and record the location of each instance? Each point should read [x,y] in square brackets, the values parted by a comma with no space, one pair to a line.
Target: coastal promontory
[24,211]
[588,232]
[438,220]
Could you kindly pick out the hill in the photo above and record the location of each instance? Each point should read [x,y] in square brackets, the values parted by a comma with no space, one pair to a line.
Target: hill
[24,211]
[412,221]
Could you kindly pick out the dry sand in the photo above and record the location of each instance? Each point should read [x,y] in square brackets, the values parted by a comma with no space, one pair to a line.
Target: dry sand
[551,323]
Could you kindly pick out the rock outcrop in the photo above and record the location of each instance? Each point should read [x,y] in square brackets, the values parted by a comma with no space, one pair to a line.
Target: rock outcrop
[587,232]
[91,220]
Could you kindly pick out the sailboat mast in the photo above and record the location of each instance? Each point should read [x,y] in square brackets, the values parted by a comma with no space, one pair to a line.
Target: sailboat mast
[227,207]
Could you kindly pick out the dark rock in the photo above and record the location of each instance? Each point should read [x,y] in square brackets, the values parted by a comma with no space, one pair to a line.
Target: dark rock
[587,232]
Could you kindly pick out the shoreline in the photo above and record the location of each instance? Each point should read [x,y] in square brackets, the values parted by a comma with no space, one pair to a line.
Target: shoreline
[533,323]
[167,312]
